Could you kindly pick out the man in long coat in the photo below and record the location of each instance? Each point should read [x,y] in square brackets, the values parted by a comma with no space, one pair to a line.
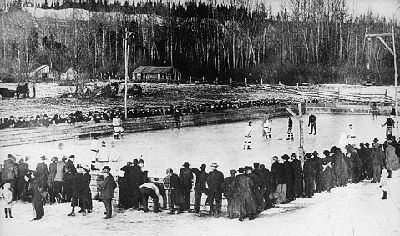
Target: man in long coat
[297,176]
[318,172]
[70,171]
[37,199]
[339,167]
[215,179]
[392,161]
[289,177]
[268,186]
[172,184]
[186,176]
[309,175]
[23,169]
[125,187]
[50,179]
[230,194]
[355,164]
[245,199]
[257,194]
[377,156]
[137,180]
[106,188]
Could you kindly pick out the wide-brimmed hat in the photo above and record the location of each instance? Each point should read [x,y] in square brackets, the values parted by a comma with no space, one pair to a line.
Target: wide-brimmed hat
[232,171]
[376,140]
[214,165]
[203,166]
[43,158]
[293,155]
[256,164]
[308,155]
[106,168]
[285,157]
[54,159]
[186,164]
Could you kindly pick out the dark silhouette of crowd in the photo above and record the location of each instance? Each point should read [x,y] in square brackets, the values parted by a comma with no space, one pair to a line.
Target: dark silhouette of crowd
[107,115]
[249,190]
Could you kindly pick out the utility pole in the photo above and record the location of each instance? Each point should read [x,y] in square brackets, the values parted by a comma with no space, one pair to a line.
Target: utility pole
[392,50]
[126,57]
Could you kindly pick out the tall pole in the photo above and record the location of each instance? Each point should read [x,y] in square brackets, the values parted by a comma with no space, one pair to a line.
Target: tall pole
[126,72]
[395,79]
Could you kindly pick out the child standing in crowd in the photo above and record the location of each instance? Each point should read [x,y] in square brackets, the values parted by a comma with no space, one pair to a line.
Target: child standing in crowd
[383,183]
[6,196]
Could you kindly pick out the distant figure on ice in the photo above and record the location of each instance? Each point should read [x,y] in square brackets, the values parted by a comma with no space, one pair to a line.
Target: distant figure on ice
[118,129]
[383,183]
[312,122]
[94,147]
[289,131]
[267,128]
[389,125]
[351,134]
[247,137]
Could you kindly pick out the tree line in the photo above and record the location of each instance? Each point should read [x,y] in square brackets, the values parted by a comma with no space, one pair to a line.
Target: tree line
[313,41]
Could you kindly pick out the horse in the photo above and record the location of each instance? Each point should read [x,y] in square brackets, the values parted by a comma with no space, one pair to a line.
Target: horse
[6,93]
[22,89]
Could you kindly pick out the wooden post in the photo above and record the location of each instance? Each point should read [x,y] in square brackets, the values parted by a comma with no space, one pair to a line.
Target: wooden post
[395,79]
[126,72]
[301,140]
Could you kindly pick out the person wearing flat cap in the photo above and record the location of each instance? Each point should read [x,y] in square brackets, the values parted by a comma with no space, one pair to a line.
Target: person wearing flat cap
[199,186]
[106,188]
[215,180]
[186,176]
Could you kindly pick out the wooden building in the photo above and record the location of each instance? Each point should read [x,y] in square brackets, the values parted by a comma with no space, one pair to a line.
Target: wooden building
[160,74]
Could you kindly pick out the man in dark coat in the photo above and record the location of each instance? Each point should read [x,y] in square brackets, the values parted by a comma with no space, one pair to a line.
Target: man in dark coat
[43,173]
[77,190]
[318,172]
[377,156]
[70,171]
[125,199]
[368,160]
[268,186]
[289,177]
[339,167]
[215,179]
[50,179]
[106,188]
[309,175]
[137,180]
[87,204]
[229,193]
[355,164]
[186,176]
[37,199]
[172,184]
[22,185]
[258,197]
[297,176]
[245,199]
[199,186]
[327,181]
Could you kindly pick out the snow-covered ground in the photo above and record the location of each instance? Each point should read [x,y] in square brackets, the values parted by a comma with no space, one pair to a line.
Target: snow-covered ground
[356,210]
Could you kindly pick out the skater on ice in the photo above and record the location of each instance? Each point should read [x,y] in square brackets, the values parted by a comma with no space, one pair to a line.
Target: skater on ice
[247,137]
[267,128]
[289,131]
[312,123]
[6,198]
[390,123]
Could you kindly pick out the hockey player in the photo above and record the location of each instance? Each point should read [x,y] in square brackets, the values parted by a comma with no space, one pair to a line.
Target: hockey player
[247,136]
[289,131]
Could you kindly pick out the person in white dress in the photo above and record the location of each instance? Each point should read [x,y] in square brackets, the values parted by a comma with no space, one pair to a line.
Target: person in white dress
[6,196]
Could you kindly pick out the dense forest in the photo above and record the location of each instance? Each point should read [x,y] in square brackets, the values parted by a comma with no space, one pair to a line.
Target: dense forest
[314,41]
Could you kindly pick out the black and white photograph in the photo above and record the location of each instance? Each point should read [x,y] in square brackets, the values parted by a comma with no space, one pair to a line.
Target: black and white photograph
[199,117]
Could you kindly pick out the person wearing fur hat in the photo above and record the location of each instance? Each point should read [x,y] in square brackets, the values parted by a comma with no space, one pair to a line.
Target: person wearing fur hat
[106,188]
[186,176]
[383,183]
[199,186]
[215,180]
[6,198]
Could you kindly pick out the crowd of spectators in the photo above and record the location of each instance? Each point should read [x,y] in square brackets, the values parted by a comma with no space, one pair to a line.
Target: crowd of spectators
[108,114]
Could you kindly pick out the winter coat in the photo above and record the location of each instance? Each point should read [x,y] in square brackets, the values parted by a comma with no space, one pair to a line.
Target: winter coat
[377,156]
[258,198]
[297,177]
[215,179]
[6,198]
[327,179]
[52,174]
[201,177]
[10,171]
[70,170]
[77,185]
[392,161]
[176,193]
[107,187]
[245,199]
[23,169]
[277,174]
[340,168]
[60,171]
[186,176]
[308,169]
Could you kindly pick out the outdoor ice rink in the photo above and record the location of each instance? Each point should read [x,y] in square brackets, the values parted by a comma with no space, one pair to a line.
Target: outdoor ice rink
[221,143]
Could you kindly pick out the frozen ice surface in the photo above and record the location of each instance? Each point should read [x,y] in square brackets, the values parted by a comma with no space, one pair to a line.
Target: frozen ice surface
[221,143]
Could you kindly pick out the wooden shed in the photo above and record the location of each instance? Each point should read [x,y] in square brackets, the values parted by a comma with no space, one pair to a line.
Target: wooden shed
[156,74]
